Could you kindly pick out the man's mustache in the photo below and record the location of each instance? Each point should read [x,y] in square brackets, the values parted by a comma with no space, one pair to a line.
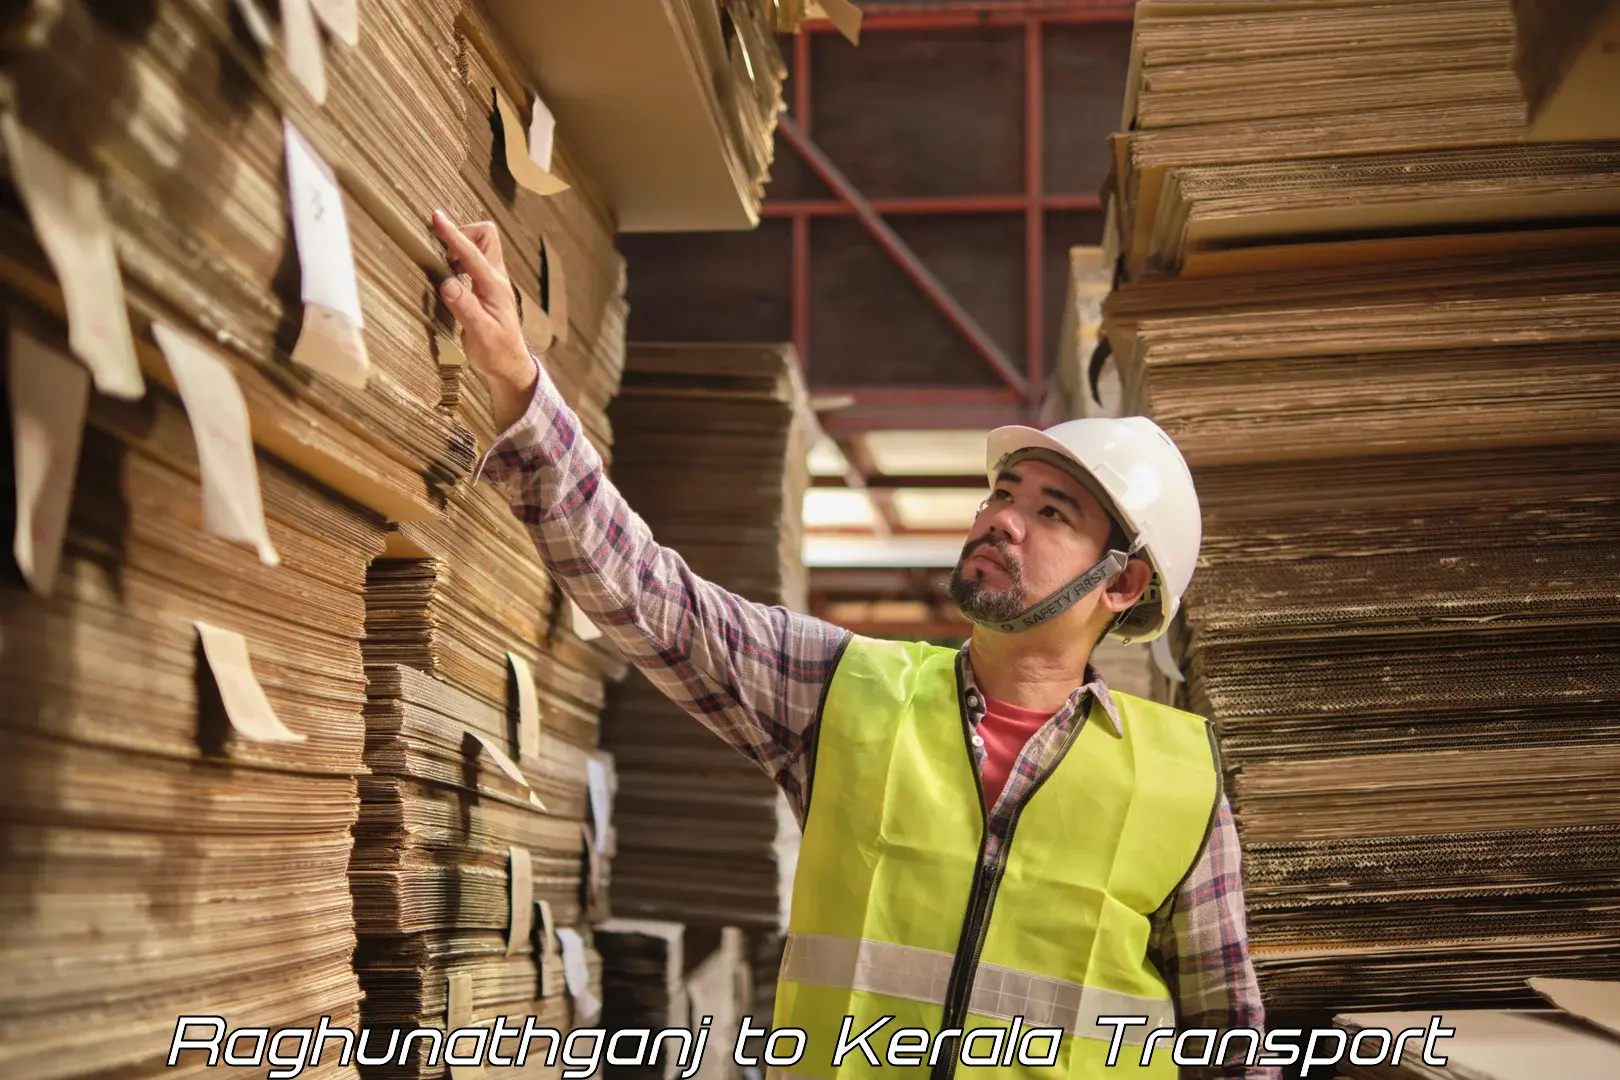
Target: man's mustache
[1003,548]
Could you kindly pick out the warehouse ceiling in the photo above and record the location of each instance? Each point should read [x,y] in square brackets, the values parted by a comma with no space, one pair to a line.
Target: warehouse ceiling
[928,193]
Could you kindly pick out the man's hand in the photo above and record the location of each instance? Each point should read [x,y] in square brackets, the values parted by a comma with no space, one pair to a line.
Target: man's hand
[482,300]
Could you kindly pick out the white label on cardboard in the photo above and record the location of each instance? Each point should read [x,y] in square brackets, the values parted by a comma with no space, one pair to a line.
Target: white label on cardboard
[520,919]
[528,707]
[65,207]
[232,506]
[342,17]
[577,974]
[499,756]
[303,41]
[257,23]
[542,131]
[584,628]
[598,783]
[50,395]
[246,705]
[330,341]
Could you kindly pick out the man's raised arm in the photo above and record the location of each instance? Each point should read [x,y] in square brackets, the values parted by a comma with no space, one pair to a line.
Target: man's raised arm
[751,673]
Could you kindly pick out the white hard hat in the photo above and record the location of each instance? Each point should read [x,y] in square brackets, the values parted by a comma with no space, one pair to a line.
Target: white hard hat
[1145,484]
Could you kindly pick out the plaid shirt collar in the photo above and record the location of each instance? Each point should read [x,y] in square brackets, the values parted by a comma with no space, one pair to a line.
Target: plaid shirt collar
[1093,687]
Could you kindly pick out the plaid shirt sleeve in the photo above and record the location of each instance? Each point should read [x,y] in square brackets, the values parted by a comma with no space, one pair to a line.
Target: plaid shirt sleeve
[752,674]
[1201,946]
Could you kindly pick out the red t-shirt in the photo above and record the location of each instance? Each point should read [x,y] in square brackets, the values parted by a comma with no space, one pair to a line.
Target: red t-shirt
[1005,729]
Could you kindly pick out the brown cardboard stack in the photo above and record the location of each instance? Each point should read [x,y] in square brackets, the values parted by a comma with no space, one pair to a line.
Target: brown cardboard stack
[1294,124]
[485,832]
[660,976]
[189,132]
[1379,332]
[182,840]
[183,726]
[714,460]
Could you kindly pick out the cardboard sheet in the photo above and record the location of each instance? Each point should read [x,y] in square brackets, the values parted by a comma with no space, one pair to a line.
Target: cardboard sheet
[845,16]
[1493,1045]
[1595,1002]
[232,507]
[50,394]
[64,203]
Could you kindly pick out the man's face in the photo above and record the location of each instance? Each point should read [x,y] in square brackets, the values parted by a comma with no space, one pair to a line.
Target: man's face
[1039,530]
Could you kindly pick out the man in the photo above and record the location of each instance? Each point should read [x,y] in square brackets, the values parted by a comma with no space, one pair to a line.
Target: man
[995,840]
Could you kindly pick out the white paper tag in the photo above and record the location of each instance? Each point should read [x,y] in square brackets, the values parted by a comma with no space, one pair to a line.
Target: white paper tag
[507,766]
[528,706]
[257,23]
[50,395]
[303,42]
[598,781]
[330,341]
[65,207]
[246,705]
[542,129]
[232,505]
[342,17]
[520,917]
[577,974]
[583,628]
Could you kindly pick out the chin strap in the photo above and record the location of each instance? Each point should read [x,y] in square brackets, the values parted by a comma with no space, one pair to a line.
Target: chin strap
[1064,598]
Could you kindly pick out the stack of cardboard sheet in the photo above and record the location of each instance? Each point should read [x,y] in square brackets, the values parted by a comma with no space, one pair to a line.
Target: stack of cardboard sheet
[183,722]
[1303,125]
[191,135]
[260,191]
[556,238]
[663,976]
[1379,329]
[644,985]
[712,455]
[486,686]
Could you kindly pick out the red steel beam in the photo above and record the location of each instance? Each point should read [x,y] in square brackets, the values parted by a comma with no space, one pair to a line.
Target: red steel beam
[894,482]
[931,204]
[949,16]
[902,254]
[1034,221]
[919,408]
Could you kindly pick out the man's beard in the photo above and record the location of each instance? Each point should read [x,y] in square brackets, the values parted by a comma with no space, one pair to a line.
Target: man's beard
[983,604]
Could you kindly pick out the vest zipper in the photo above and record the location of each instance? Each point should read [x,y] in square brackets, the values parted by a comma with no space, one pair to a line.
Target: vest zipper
[986,882]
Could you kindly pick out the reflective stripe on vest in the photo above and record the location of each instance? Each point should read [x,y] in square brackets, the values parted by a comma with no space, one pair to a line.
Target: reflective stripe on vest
[903,971]
[900,924]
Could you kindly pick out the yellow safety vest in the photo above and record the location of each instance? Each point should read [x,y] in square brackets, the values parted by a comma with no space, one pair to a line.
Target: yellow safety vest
[895,913]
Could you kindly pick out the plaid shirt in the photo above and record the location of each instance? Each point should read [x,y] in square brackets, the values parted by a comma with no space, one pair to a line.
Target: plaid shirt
[754,674]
